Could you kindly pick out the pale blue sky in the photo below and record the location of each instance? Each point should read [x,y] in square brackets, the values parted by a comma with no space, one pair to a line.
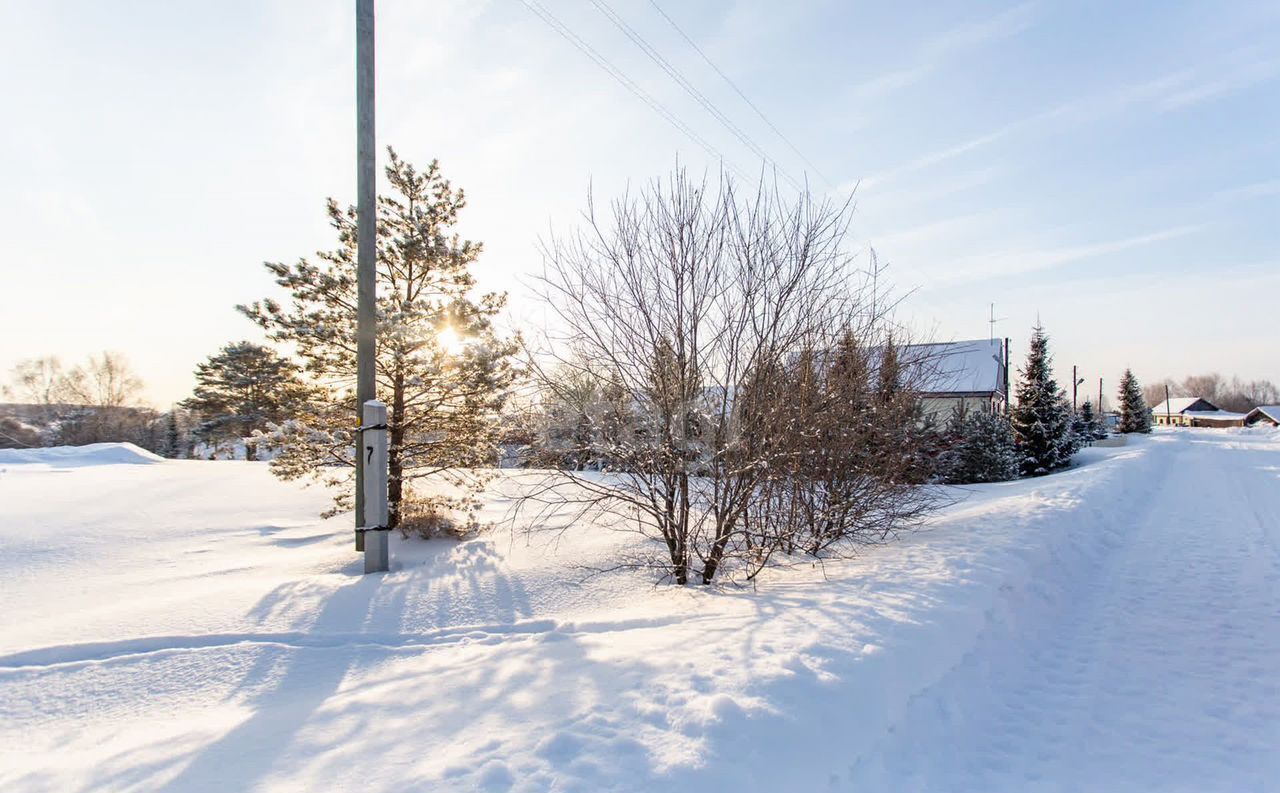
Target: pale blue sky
[1113,168]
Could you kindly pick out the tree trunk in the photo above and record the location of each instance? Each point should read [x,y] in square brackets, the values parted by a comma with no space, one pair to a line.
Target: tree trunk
[395,449]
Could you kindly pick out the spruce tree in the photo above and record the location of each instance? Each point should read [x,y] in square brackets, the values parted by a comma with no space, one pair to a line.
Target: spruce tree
[242,389]
[1091,422]
[441,368]
[1135,416]
[172,436]
[984,449]
[1042,417]
[1081,434]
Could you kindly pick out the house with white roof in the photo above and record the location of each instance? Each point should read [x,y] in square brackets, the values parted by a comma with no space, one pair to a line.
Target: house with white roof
[1194,412]
[951,376]
[1263,416]
[959,375]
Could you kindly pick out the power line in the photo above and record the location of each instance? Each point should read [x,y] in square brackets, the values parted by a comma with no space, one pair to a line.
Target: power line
[675,74]
[599,60]
[739,92]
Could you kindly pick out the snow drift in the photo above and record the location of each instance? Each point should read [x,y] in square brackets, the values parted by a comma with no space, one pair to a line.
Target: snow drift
[76,456]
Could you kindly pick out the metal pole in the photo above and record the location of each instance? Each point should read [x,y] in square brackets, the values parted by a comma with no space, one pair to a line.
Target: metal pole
[366,239]
[1075,385]
[1168,416]
[1006,375]
[1099,396]
[373,442]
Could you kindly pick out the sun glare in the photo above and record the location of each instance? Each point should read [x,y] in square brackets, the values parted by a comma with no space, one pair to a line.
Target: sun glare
[450,341]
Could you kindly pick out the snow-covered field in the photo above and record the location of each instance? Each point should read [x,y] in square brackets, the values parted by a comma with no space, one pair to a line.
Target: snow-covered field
[173,625]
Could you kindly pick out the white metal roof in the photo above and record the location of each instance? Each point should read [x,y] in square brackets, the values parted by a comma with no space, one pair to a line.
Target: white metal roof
[1178,404]
[958,367]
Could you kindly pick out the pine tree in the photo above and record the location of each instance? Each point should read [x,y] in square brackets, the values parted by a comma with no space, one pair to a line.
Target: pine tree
[242,389]
[1135,416]
[441,369]
[1042,417]
[984,449]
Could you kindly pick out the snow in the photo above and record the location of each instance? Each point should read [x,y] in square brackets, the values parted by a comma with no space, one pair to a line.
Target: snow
[192,626]
[75,456]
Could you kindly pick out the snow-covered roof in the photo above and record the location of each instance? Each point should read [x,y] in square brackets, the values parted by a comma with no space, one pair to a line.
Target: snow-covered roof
[1179,404]
[958,367]
[1220,415]
[1270,411]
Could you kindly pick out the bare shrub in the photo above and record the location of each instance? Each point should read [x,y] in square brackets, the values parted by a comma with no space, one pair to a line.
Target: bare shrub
[426,518]
[683,318]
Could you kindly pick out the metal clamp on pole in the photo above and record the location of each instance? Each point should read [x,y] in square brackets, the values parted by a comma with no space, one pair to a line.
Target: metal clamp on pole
[373,452]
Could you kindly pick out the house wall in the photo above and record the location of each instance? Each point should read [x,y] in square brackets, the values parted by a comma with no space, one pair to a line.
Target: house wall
[942,408]
[1202,422]
[1183,420]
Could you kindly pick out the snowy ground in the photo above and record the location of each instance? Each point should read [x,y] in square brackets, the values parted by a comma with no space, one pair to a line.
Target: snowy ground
[192,626]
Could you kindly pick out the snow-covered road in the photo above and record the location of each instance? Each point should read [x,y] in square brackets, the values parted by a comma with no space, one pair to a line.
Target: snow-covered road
[191,626]
[1151,661]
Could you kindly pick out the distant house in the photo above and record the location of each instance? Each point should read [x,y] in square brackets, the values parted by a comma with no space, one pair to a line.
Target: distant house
[1263,416]
[1215,418]
[1194,412]
[959,375]
[1169,413]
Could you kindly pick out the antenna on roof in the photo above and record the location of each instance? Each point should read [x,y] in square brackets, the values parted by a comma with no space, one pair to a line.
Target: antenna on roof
[991,323]
[875,283]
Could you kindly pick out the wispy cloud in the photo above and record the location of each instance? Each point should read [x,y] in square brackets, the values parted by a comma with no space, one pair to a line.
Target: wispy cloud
[942,155]
[945,229]
[1249,191]
[936,189]
[1170,92]
[974,268]
[937,50]
[1242,73]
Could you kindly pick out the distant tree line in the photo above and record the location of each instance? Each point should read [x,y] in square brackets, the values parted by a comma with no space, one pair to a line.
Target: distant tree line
[96,401]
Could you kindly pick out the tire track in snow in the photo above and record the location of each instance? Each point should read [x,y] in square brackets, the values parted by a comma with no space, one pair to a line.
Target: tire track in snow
[1140,656]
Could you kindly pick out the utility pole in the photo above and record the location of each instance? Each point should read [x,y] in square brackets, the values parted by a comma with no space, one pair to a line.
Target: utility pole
[1168,416]
[1075,383]
[1005,372]
[1099,396]
[366,245]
